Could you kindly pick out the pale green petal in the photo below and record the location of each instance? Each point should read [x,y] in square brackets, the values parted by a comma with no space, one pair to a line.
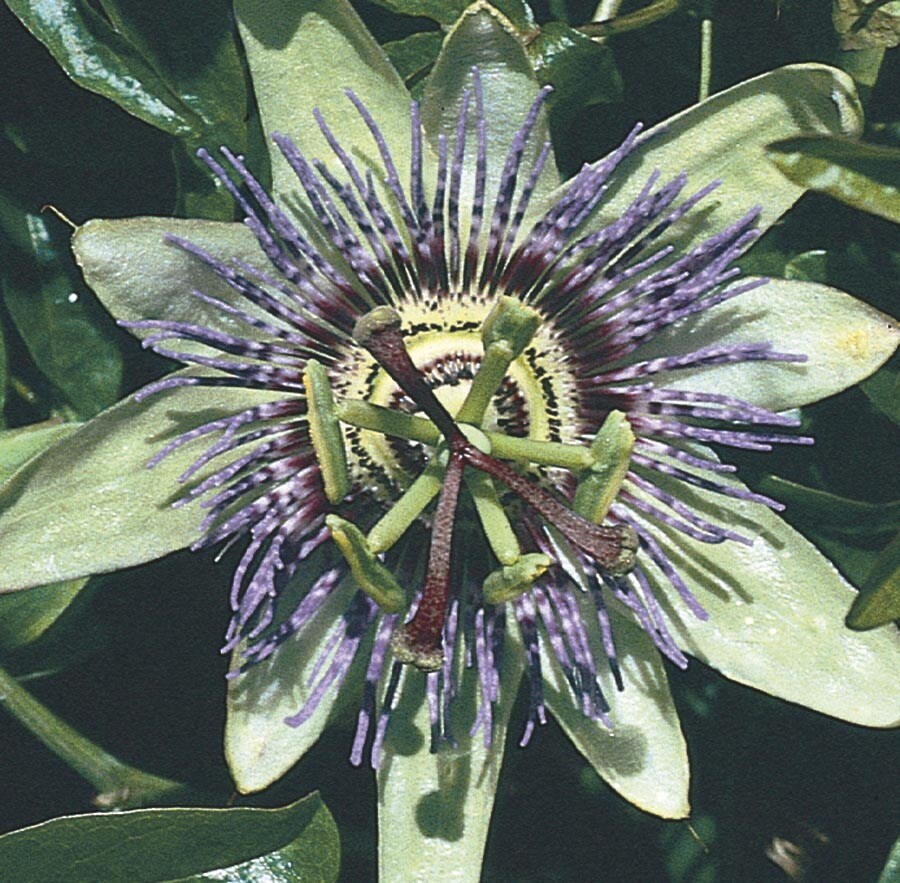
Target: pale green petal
[483,37]
[25,616]
[725,137]
[259,746]
[776,615]
[303,54]
[844,339]
[644,756]
[89,504]
[434,809]
[138,275]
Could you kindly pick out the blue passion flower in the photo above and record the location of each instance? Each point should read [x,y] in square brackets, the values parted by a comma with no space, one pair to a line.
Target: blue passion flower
[468,425]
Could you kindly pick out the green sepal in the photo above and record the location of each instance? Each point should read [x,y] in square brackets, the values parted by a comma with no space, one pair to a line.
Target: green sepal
[611,449]
[303,55]
[325,432]
[508,582]
[878,602]
[95,484]
[724,138]
[25,616]
[865,176]
[484,36]
[371,575]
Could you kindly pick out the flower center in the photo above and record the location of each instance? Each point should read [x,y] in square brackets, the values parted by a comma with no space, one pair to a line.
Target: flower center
[461,450]
[536,398]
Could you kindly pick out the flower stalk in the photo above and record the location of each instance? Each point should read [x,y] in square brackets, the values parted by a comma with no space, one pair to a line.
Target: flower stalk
[119,786]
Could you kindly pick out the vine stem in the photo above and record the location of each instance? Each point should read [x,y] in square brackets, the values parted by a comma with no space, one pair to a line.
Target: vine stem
[706,34]
[119,786]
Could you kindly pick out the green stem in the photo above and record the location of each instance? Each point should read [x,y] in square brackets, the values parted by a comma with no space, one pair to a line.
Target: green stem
[630,22]
[706,33]
[606,9]
[119,786]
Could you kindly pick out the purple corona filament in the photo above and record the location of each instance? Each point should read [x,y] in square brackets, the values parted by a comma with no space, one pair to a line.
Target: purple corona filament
[371,245]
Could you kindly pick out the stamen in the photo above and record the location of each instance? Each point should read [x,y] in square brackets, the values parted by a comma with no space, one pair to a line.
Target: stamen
[510,581]
[492,515]
[612,447]
[325,432]
[370,574]
[506,333]
[407,509]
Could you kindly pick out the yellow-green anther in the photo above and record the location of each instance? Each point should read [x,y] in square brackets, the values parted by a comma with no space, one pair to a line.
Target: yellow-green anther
[493,518]
[325,432]
[611,450]
[512,323]
[506,332]
[394,423]
[370,574]
[507,583]
[406,510]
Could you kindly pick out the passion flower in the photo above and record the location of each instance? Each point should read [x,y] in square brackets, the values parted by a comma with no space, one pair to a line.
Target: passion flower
[415,312]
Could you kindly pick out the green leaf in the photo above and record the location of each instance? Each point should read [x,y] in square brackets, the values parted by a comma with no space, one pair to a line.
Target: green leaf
[878,602]
[444,11]
[69,500]
[4,374]
[194,50]
[843,339]
[830,512]
[448,11]
[486,39]
[582,71]
[97,58]
[259,746]
[725,137]
[434,809]
[883,391]
[643,756]
[866,24]
[414,55]
[891,871]
[865,176]
[137,274]
[19,445]
[26,616]
[298,842]
[69,337]
[303,55]
[776,612]
[809,266]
